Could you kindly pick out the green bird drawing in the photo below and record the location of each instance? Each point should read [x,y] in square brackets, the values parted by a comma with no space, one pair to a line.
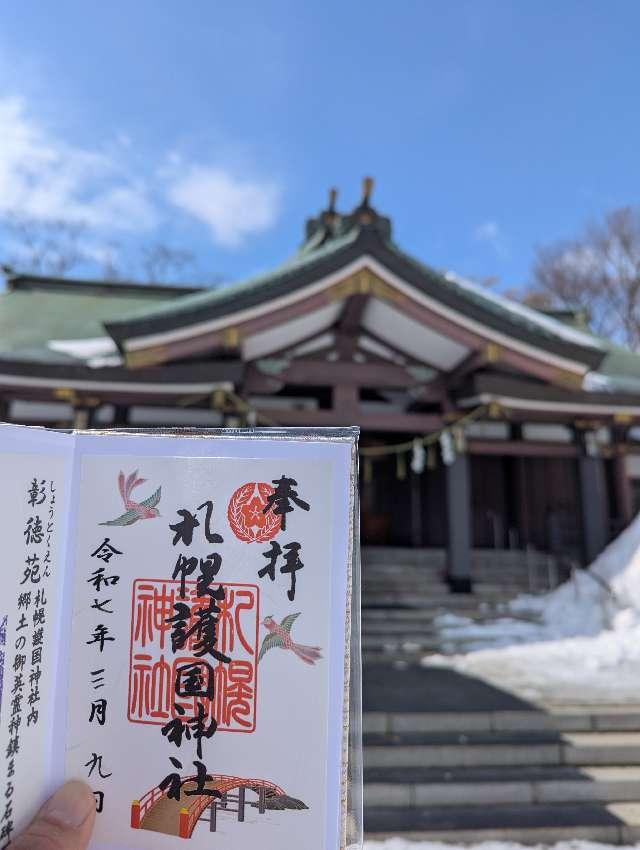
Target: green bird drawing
[280,636]
[146,509]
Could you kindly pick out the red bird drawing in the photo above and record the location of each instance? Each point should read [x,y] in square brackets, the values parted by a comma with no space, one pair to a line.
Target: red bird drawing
[279,635]
[133,511]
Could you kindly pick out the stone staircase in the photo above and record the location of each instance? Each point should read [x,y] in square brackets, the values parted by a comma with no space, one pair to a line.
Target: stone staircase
[404,591]
[448,757]
[527,776]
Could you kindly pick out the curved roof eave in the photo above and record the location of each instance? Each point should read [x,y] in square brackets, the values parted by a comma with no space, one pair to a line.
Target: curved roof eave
[306,269]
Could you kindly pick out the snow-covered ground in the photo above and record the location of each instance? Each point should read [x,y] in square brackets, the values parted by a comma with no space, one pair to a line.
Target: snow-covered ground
[401,844]
[581,642]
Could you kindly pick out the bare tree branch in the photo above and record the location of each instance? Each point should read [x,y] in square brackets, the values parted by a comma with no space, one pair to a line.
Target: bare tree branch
[44,246]
[598,273]
[160,262]
[59,247]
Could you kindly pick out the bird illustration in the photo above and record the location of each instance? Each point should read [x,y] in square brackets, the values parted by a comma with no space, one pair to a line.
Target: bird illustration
[280,635]
[146,509]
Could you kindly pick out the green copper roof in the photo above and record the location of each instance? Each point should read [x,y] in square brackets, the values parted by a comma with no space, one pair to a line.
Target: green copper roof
[32,316]
[239,294]
[333,241]
[36,311]
[618,372]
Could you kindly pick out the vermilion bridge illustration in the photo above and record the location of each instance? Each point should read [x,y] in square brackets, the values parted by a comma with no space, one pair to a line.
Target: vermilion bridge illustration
[155,811]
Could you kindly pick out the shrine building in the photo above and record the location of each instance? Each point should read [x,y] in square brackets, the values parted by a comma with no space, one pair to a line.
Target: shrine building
[486,425]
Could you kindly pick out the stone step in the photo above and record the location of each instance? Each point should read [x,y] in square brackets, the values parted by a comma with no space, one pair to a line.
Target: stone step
[394,568]
[414,628]
[502,748]
[423,601]
[400,660]
[514,567]
[411,555]
[398,628]
[481,566]
[488,575]
[426,615]
[392,555]
[500,786]
[414,647]
[401,643]
[481,590]
[609,718]
[615,823]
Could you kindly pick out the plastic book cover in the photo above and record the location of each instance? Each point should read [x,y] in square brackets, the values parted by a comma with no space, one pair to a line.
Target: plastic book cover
[181,631]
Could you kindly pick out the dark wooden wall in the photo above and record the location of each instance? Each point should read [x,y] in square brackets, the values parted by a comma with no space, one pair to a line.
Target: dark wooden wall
[406,511]
[517,502]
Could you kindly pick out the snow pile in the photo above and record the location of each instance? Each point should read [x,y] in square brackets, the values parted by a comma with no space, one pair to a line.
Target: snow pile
[581,641]
[605,596]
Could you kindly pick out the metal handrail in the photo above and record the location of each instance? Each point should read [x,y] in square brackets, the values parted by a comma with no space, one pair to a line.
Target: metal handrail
[603,583]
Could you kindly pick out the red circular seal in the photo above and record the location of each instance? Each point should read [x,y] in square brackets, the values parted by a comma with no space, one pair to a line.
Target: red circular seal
[245,513]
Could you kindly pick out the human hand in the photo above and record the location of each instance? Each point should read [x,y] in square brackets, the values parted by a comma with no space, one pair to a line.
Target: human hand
[64,822]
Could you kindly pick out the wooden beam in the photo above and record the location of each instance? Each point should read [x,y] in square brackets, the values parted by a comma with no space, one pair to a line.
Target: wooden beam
[521,448]
[348,325]
[346,400]
[352,313]
[413,423]
[471,363]
[435,390]
[322,373]
[541,368]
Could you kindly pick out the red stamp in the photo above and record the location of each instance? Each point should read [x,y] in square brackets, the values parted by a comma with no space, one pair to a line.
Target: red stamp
[159,679]
[246,514]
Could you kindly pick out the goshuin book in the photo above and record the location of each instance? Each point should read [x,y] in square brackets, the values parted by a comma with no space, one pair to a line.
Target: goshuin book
[176,621]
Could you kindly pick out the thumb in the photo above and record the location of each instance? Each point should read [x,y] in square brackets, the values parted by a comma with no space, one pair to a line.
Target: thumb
[64,822]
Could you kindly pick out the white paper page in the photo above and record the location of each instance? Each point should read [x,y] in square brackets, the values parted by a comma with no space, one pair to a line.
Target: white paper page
[280,719]
[35,469]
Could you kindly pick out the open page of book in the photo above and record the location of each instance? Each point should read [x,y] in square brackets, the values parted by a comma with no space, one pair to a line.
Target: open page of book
[207,639]
[35,471]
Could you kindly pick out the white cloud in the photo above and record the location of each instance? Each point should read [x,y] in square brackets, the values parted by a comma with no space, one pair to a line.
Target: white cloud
[43,177]
[233,208]
[490,233]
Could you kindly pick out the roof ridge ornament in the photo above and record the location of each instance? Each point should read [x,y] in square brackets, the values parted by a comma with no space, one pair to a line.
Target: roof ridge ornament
[367,191]
[330,216]
[365,214]
[333,197]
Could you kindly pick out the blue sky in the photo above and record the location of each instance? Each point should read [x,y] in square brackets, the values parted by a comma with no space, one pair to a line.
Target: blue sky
[490,127]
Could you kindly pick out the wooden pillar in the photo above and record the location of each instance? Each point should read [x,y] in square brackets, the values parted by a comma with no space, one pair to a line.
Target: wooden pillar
[346,401]
[262,801]
[624,496]
[593,496]
[120,415]
[621,482]
[183,823]
[241,793]
[458,499]
[518,531]
[213,816]
[417,539]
